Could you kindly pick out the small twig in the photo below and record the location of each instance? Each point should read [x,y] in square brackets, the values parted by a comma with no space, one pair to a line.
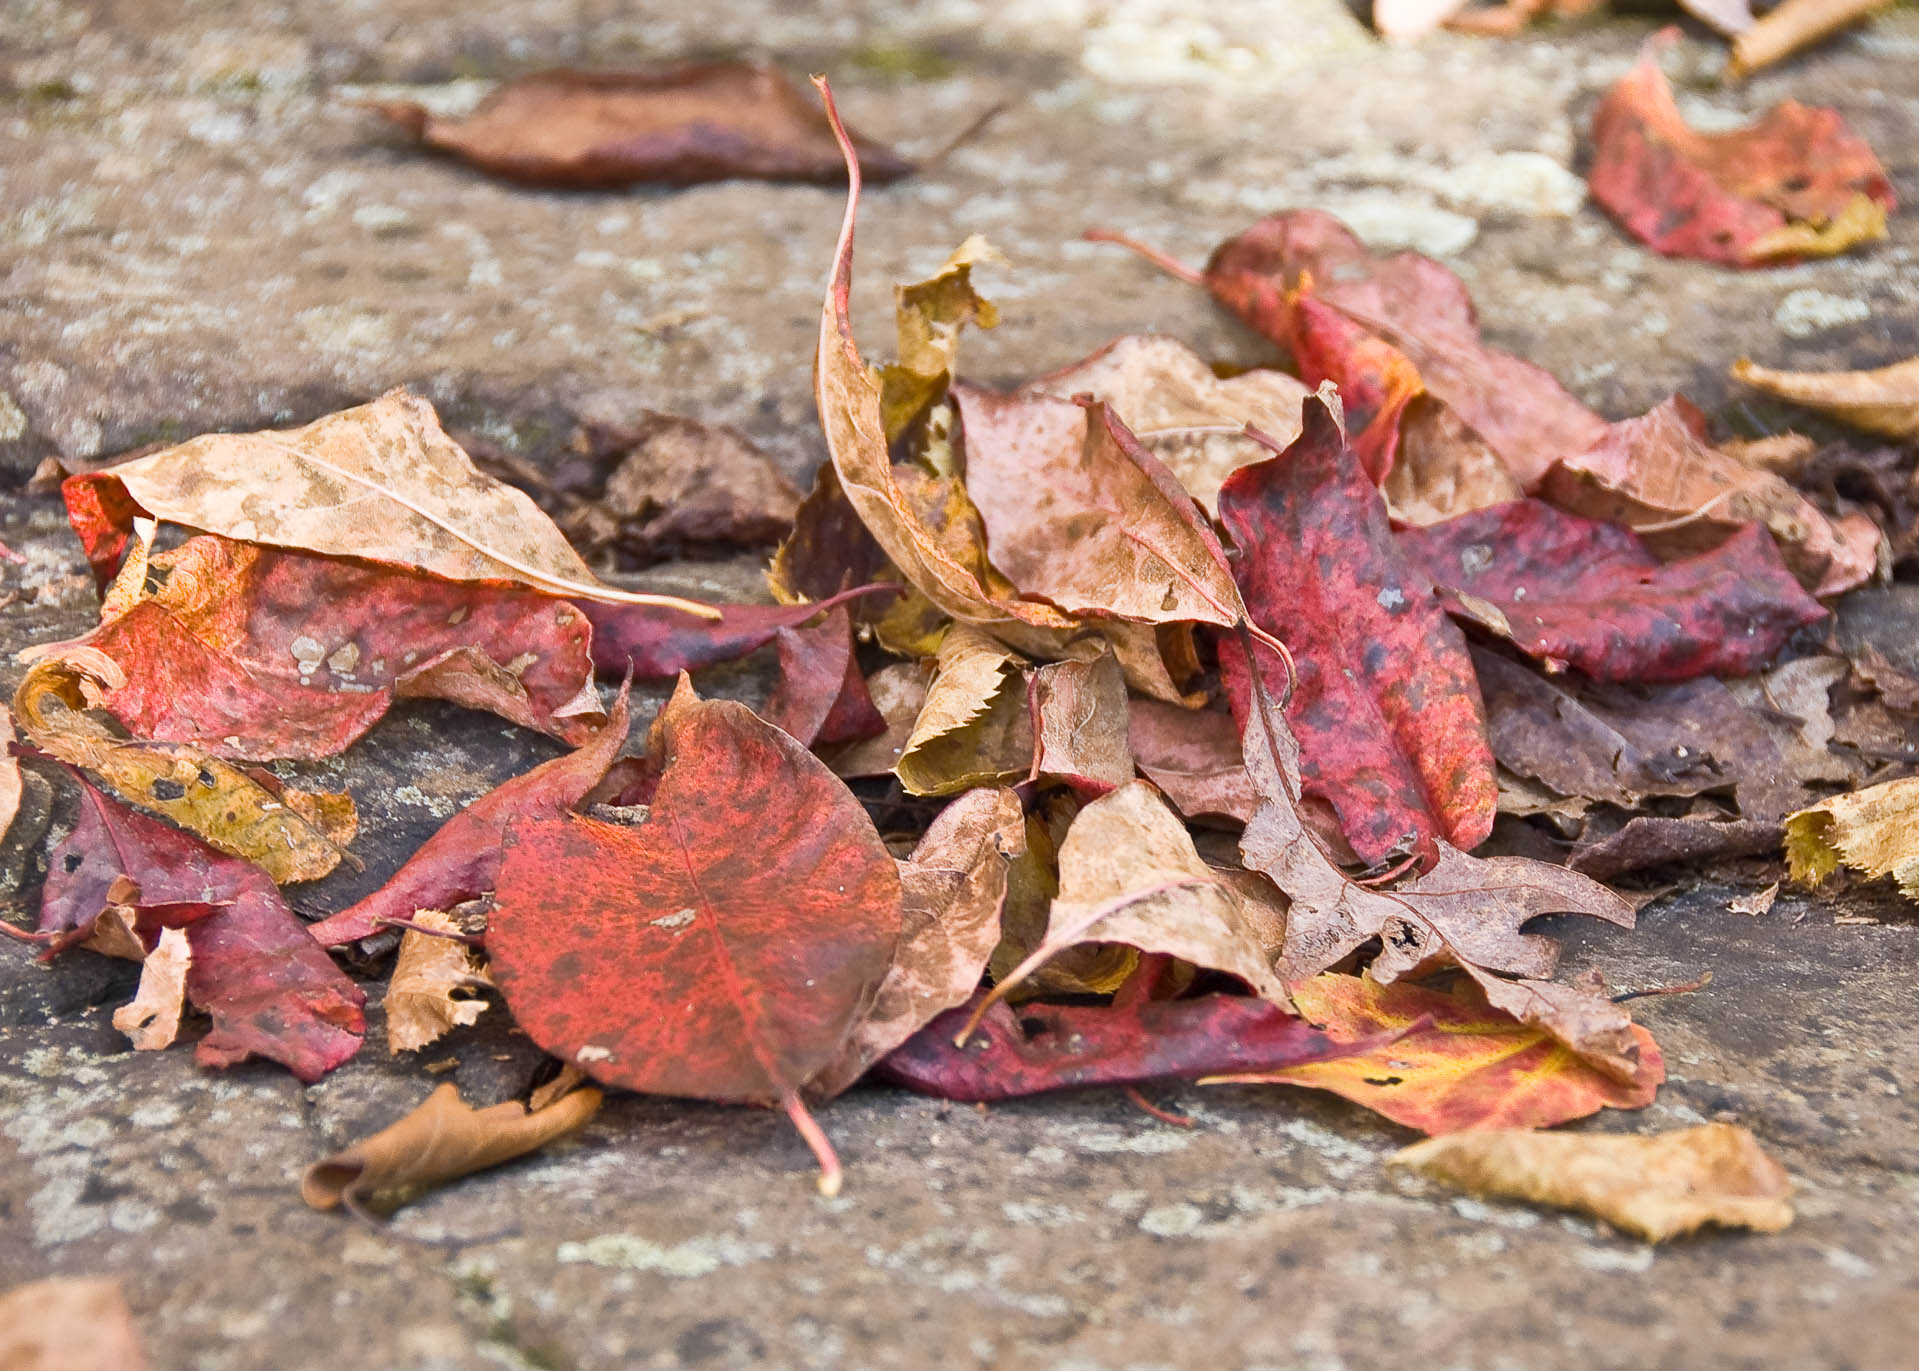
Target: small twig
[1685,989]
[470,939]
[1172,266]
[1163,1115]
[964,136]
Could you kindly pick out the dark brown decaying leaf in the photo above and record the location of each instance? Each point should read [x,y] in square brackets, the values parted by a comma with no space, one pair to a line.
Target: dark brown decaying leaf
[676,124]
[442,1140]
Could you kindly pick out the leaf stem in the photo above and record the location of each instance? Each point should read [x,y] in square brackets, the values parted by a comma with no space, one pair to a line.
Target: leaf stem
[1172,266]
[815,1137]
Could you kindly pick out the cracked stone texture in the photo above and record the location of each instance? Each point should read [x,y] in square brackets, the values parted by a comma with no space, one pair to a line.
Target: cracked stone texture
[197,231]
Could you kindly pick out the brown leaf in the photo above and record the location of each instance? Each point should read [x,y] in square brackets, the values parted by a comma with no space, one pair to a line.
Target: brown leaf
[1659,476]
[1598,1030]
[1080,725]
[151,1020]
[442,1140]
[1128,873]
[954,886]
[1190,419]
[1032,883]
[976,727]
[69,1323]
[677,124]
[293,835]
[1193,756]
[1871,831]
[1649,840]
[1442,467]
[381,482]
[420,1003]
[1655,1187]
[898,692]
[1788,27]
[1882,401]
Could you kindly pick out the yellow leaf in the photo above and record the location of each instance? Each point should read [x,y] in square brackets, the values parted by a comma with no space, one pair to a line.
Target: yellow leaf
[1882,401]
[1871,830]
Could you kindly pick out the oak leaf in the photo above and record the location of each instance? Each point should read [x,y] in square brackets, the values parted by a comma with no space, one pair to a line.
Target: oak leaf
[443,1139]
[1798,183]
[1655,1187]
[421,1006]
[1884,401]
[676,124]
[1455,1064]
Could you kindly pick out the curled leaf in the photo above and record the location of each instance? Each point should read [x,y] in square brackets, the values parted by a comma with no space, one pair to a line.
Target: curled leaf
[421,1006]
[976,726]
[1871,831]
[442,1140]
[1656,1187]
[151,1020]
[1882,401]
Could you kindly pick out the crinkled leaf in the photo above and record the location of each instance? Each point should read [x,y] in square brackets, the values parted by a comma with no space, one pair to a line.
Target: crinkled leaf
[421,1006]
[1655,1187]
[1874,831]
[1080,725]
[1578,592]
[976,726]
[1885,400]
[1456,1065]
[675,124]
[1388,715]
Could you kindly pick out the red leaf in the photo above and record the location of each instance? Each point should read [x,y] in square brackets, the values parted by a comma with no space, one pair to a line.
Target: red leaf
[1391,729]
[653,642]
[669,958]
[252,652]
[1041,1047]
[272,990]
[1376,381]
[460,862]
[1580,592]
[1797,183]
[1419,307]
[820,696]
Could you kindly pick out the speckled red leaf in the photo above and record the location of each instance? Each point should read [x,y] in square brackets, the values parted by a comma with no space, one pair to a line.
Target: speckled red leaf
[272,990]
[1423,310]
[652,642]
[677,124]
[820,696]
[253,652]
[1390,726]
[722,949]
[1580,592]
[1041,1047]
[459,862]
[1797,183]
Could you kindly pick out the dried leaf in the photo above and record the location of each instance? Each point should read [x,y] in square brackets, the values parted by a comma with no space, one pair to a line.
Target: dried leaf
[657,959]
[1032,884]
[1042,1047]
[293,835]
[1757,904]
[954,885]
[1128,873]
[271,989]
[460,862]
[1391,729]
[1659,476]
[380,482]
[1080,725]
[1465,909]
[420,1004]
[819,696]
[1423,310]
[1655,1187]
[930,316]
[1788,27]
[898,692]
[1443,468]
[976,727]
[12,788]
[254,653]
[1456,1065]
[1592,1025]
[1577,592]
[655,643]
[1193,756]
[677,124]
[1871,831]
[151,1020]
[1652,840]
[442,1140]
[1191,420]
[1798,183]
[1882,401]
[69,1323]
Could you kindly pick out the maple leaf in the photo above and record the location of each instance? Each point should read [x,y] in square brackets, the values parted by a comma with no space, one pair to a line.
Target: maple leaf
[443,1139]
[1659,475]
[655,959]
[69,1323]
[1393,734]
[677,124]
[1080,725]
[1042,1047]
[381,482]
[1449,1063]
[293,835]
[255,653]
[1578,592]
[1655,1187]
[1464,909]
[461,860]
[1798,183]
[819,696]
[270,987]
[420,1004]
[954,885]
[1885,400]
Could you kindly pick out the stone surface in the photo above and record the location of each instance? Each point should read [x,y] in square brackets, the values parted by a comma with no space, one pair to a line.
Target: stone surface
[197,231]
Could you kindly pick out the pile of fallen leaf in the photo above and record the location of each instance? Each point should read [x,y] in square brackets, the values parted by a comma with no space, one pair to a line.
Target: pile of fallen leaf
[1173,705]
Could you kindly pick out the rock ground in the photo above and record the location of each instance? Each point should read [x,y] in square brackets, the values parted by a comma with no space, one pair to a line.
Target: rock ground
[197,232]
